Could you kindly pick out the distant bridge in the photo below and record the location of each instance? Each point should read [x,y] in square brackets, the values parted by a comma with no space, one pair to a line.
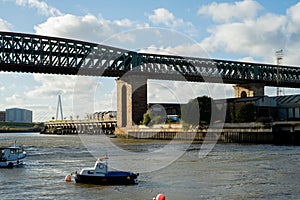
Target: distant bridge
[41,54]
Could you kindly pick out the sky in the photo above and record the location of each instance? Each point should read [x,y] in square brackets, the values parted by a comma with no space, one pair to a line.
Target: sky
[244,30]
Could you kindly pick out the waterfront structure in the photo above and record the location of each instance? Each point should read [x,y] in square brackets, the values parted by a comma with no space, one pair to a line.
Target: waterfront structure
[276,108]
[288,107]
[18,115]
[266,107]
[2,116]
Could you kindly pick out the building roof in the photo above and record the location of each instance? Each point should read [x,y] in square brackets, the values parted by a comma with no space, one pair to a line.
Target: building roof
[289,100]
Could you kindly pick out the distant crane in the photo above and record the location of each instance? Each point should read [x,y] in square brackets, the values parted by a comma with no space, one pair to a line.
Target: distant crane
[59,108]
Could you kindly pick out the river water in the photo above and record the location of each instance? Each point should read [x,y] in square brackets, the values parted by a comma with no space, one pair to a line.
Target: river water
[228,171]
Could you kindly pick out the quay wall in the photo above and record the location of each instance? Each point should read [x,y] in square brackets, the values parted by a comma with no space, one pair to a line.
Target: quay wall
[230,133]
[220,135]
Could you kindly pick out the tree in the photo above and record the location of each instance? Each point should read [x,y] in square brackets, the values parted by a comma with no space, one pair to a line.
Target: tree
[205,106]
[246,113]
[146,118]
[197,111]
[151,118]
[36,126]
[190,113]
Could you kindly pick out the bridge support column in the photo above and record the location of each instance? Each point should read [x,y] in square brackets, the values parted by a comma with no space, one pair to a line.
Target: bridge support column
[248,90]
[131,100]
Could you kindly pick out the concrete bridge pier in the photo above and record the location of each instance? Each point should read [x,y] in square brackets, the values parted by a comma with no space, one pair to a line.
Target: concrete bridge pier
[248,90]
[131,100]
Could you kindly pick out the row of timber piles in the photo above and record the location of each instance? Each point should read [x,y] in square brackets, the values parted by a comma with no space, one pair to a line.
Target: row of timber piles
[227,133]
[68,127]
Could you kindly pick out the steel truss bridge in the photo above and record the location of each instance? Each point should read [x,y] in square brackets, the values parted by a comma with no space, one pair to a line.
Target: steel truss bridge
[41,54]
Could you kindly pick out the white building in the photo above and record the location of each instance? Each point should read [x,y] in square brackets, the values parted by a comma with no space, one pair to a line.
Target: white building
[18,115]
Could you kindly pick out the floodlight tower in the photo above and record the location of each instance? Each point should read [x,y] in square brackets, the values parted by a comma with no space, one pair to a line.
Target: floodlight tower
[279,57]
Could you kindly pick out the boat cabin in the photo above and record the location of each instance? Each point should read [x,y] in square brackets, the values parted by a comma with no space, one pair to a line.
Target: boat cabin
[99,169]
[11,153]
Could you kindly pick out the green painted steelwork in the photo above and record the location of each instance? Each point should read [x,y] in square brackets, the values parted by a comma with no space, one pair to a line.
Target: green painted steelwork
[42,54]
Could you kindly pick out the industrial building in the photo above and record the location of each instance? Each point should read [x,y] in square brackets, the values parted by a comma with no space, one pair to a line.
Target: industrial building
[277,108]
[2,116]
[18,115]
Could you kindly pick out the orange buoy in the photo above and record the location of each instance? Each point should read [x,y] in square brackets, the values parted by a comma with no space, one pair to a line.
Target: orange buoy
[68,178]
[160,197]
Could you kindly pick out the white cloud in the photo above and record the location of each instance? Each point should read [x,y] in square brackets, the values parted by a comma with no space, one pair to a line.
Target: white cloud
[188,50]
[79,95]
[259,37]
[15,99]
[5,26]
[225,12]
[162,16]
[69,87]
[107,102]
[51,85]
[247,59]
[172,91]
[88,27]
[294,18]
[248,37]
[42,7]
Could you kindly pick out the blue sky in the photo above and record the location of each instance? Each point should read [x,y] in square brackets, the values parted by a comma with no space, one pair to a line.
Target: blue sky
[245,30]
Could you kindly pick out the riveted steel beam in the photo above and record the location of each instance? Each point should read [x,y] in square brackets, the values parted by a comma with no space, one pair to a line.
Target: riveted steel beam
[42,54]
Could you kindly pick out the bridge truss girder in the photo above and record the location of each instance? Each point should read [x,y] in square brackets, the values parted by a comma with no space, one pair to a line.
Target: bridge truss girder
[41,54]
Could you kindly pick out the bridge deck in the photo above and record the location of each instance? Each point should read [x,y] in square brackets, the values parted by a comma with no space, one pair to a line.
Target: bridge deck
[41,54]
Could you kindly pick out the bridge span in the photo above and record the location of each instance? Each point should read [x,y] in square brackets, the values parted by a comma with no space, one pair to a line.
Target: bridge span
[30,53]
[21,52]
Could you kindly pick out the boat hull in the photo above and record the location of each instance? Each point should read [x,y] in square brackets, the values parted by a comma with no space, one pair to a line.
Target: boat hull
[111,178]
[10,164]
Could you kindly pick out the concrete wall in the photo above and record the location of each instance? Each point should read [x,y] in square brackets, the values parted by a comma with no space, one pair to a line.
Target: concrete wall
[131,100]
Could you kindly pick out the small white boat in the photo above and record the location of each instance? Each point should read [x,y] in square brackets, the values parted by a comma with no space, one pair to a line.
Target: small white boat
[11,156]
[100,175]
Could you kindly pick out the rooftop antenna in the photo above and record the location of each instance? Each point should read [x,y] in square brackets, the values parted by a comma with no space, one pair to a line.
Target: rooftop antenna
[279,57]
[59,108]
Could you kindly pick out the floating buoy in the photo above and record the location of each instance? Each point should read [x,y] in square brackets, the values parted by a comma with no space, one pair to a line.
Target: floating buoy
[160,197]
[68,178]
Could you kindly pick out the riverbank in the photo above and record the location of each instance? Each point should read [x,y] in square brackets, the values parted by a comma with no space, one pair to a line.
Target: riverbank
[20,130]
[18,127]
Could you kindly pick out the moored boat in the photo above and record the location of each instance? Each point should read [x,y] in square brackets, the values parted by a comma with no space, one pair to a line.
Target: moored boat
[11,156]
[100,175]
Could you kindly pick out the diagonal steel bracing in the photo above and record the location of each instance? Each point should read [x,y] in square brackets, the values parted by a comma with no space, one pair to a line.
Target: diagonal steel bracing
[41,54]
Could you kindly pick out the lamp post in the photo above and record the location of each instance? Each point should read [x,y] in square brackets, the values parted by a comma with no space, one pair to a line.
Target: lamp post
[279,57]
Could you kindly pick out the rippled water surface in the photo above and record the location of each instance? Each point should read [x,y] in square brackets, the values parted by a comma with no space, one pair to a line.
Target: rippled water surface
[229,171]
